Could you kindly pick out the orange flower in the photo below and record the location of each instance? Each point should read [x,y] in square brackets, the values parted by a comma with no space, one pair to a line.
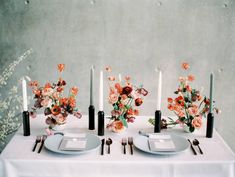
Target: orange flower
[61,67]
[63,101]
[47,85]
[130,111]
[185,66]
[55,110]
[136,112]
[108,68]
[170,100]
[191,77]
[118,87]
[170,107]
[74,91]
[72,102]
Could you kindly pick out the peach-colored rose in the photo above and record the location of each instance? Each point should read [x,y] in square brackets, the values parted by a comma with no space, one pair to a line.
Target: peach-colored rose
[197,122]
[113,98]
[47,91]
[117,126]
[182,79]
[46,102]
[60,119]
[193,111]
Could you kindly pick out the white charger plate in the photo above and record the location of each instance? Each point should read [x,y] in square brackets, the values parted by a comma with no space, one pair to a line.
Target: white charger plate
[181,144]
[52,143]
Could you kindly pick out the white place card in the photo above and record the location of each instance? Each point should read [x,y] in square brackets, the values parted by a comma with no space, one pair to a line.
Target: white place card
[161,143]
[73,142]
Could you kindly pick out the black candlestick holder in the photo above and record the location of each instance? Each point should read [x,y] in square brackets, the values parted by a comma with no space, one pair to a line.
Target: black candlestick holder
[26,123]
[101,123]
[91,111]
[157,125]
[209,125]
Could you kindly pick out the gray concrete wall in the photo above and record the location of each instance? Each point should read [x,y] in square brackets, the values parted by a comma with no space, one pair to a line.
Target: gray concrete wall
[134,37]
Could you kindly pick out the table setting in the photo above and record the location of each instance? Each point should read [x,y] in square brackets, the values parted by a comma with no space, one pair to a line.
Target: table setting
[61,141]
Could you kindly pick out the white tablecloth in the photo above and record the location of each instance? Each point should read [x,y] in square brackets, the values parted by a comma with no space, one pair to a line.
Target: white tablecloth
[18,160]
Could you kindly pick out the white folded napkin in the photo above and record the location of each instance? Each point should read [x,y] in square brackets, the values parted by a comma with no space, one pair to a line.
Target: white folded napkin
[73,142]
[161,143]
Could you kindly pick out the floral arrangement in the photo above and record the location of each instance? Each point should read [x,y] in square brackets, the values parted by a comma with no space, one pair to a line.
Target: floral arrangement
[189,106]
[10,103]
[50,97]
[125,99]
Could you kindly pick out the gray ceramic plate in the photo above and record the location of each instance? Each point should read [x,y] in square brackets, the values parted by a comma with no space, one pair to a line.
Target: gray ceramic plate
[52,143]
[181,144]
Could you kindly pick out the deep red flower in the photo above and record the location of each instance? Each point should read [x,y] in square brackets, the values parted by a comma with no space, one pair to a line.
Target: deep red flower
[138,101]
[127,90]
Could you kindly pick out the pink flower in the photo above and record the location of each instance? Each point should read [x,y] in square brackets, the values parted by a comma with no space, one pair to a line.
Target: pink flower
[131,120]
[182,79]
[77,114]
[111,78]
[113,98]
[45,102]
[49,132]
[197,122]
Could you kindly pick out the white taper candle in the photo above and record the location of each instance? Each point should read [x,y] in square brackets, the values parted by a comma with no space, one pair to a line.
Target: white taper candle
[159,91]
[24,90]
[101,103]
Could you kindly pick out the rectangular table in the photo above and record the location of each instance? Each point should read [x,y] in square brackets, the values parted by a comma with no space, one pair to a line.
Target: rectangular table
[18,160]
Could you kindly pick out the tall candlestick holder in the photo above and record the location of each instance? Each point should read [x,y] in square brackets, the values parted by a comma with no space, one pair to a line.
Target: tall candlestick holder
[91,117]
[209,125]
[101,123]
[157,125]
[26,123]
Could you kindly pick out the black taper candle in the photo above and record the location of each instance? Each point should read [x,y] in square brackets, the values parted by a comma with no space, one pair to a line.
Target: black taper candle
[91,111]
[157,125]
[26,123]
[209,125]
[101,123]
